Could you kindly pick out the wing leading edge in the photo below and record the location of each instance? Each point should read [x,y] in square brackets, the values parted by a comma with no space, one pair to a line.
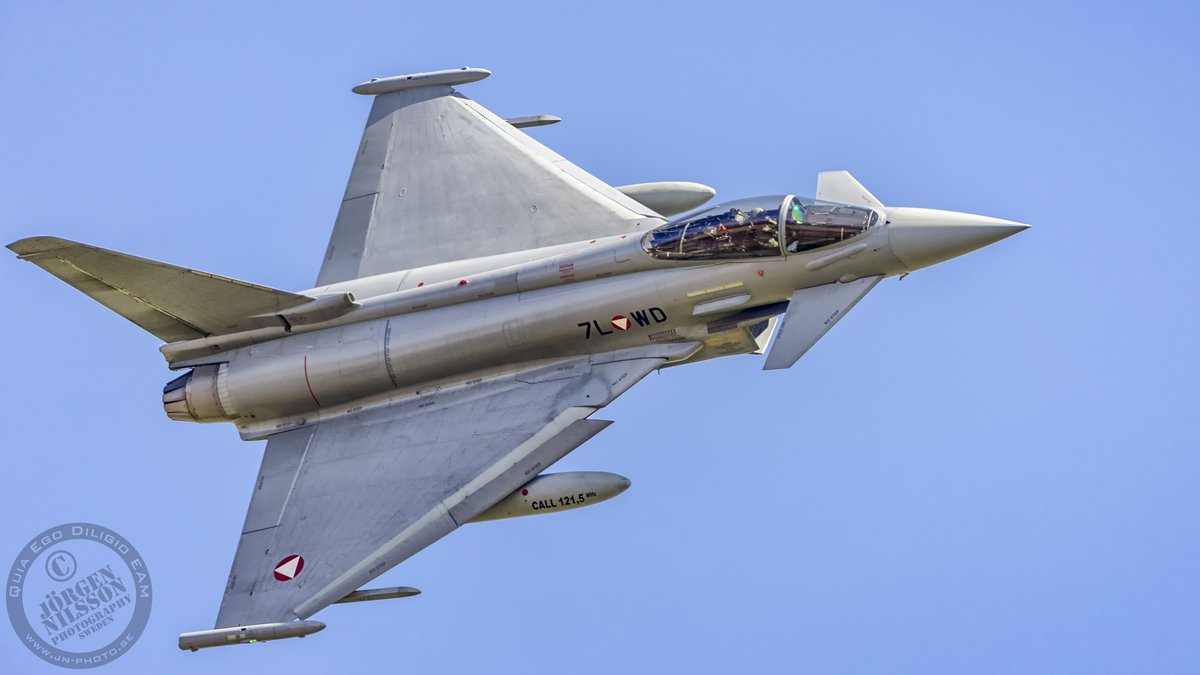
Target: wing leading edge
[339,504]
[438,178]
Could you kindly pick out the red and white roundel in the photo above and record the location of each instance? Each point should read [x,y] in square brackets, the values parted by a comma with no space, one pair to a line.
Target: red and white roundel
[289,568]
[620,322]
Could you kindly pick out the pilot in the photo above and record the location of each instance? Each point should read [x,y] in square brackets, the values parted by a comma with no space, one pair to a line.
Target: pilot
[765,239]
[766,222]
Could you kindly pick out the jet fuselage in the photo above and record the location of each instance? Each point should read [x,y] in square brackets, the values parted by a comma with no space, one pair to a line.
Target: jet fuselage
[415,331]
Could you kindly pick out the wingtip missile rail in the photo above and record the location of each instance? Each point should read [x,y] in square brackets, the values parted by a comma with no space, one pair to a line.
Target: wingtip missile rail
[263,632]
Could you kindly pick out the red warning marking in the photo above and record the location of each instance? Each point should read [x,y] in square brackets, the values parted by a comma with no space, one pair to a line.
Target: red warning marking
[524,492]
[566,271]
[289,568]
[620,322]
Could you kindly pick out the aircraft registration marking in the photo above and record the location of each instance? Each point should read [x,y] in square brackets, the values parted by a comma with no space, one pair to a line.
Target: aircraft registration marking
[622,322]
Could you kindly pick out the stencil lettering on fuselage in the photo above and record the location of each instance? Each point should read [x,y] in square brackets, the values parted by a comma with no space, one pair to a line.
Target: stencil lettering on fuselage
[622,322]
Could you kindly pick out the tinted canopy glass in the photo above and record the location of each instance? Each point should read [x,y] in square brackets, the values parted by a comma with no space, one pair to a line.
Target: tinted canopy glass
[812,224]
[750,228]
[747,228]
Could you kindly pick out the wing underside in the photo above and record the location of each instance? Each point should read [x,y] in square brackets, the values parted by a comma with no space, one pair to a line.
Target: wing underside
[340,503]
[438,178]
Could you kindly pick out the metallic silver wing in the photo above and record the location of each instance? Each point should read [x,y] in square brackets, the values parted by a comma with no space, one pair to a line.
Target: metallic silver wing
[438,178]
[342,502]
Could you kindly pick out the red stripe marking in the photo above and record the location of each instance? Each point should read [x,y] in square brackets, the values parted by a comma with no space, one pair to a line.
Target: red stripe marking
[310,391]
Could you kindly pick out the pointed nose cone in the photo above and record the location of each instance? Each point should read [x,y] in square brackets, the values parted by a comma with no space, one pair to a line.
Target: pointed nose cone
[923,237]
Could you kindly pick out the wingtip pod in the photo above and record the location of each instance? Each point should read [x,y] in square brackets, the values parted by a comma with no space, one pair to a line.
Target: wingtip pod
[386,85]
[262,632]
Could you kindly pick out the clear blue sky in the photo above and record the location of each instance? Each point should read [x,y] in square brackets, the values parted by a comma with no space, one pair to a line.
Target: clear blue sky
[990,466]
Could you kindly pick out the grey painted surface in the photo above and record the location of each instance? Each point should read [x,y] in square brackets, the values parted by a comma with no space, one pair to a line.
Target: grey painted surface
[811,313]
[357,496]
[439,178]
[170,302]
[481,297]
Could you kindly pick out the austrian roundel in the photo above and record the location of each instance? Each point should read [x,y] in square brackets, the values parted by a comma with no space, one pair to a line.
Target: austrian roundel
[620,322]
[289,568]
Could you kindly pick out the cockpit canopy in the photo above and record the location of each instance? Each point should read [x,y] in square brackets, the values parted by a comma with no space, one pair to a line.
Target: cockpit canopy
[750,228]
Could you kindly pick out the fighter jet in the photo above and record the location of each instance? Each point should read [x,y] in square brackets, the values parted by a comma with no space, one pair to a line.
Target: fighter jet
[480,300]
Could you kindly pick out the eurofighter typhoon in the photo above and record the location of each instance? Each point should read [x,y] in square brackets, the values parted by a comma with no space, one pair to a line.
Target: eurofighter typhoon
[481,298]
